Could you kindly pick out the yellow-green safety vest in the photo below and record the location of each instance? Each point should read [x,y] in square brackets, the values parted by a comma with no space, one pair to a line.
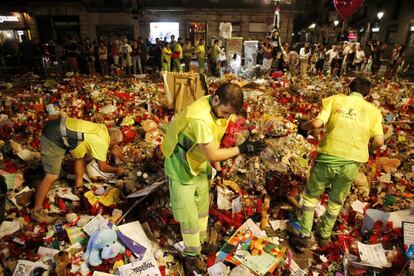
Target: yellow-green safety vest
[199,110]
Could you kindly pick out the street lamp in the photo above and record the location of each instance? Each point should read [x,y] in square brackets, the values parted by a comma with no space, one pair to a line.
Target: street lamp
[380,15]
[312,26]
[336,22]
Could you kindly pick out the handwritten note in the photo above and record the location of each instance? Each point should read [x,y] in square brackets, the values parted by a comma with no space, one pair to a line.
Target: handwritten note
[373,255]
[408,232]
[94,224]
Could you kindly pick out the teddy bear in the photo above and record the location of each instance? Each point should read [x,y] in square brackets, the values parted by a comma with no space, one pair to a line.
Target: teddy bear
[387,165]
[102,244]
[62,261]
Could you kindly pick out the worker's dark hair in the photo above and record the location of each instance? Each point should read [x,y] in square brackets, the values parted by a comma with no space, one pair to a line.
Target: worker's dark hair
[231,94]
[360,85]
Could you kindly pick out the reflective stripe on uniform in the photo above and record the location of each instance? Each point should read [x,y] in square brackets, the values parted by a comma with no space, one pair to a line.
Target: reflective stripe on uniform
[192,250]
[328,215]
[190,231]
[63,131]
[80,138]
[335,201]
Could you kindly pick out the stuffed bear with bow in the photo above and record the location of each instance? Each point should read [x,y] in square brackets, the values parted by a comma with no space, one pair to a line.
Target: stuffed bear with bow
[103,244]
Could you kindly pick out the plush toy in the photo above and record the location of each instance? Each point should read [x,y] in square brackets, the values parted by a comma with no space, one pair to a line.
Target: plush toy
[103,244]
[388,165]
[62,261]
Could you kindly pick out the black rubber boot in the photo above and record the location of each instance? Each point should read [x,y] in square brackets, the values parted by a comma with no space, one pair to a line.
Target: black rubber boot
[193,265]
[300,243]
[322,241]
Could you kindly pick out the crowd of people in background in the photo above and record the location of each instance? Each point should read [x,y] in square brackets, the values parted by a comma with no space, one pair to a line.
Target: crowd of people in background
[125,56]
[346,58]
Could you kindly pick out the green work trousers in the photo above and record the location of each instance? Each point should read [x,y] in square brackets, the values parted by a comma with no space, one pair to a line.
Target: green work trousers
[176,65]
[166,66]
[322,175]
[190,205]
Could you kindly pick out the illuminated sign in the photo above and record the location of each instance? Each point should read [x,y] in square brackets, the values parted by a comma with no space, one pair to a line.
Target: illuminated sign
[375,29]
[352,36]
[8,19]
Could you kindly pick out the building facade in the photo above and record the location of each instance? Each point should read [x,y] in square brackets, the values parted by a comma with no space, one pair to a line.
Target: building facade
[95,19]
[396,25]
[251,20]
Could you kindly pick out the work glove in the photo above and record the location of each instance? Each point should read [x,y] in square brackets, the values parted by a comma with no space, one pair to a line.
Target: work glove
[252,147]
[300,130]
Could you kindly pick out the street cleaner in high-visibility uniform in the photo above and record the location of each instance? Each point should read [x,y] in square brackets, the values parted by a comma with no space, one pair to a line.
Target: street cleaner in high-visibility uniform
[353,127]
[80,138]
[191,144]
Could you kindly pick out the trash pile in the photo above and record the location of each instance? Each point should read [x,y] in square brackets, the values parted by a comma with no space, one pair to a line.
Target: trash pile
[125,226]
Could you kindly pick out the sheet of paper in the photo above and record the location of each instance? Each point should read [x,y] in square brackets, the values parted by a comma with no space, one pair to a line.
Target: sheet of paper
[253,227]
[98,273]
[9,227]
[260,264]
[373,254]
[219,269]
[372,215]
[399,216]
[408,233]
[45,251]
[147,190]
[25,268]
[94,224]
[13,180]
[296,270]
[145,267]
[137,249]
[134,231]
[237,205]
[358,206]
[279,224]
[224,198]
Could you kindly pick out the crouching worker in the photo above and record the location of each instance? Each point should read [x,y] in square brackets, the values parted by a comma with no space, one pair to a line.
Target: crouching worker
[80,138]
[191,144]
[114,156]
[352,127]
